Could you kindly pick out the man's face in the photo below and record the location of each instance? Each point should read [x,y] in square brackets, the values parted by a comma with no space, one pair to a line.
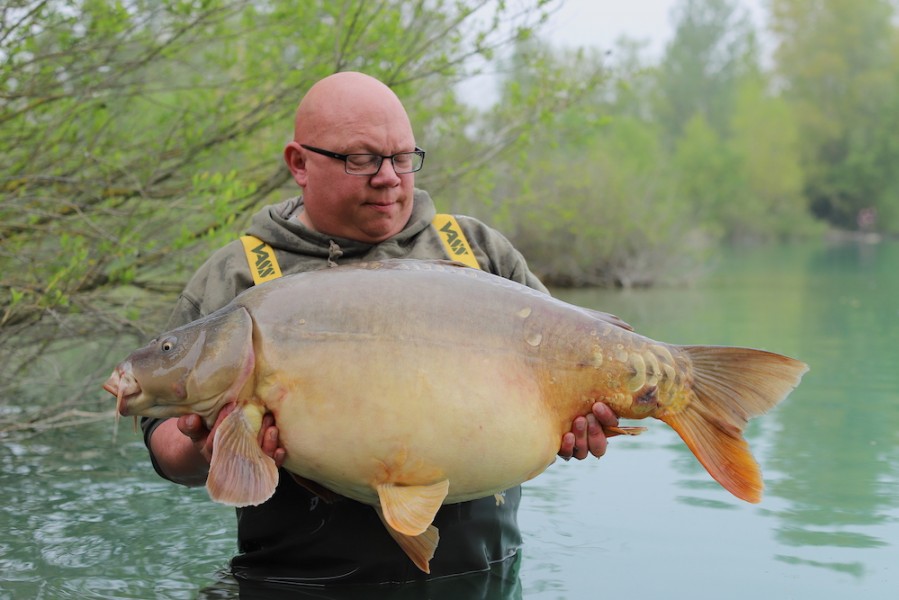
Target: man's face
[367,208]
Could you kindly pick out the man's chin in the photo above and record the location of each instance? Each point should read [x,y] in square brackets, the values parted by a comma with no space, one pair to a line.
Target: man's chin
[382,222]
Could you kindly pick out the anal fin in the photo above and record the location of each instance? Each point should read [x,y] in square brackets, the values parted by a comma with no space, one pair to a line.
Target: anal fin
[419,548]
[410,509]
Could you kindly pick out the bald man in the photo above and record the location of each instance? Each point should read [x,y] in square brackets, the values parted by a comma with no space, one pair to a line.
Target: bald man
[333,116]
[354,157]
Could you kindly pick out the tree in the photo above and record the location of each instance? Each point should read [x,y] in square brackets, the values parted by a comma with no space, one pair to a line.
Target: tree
[710,178]
[735,142]
[836,61]
[712,50]
[586,195]
[139,135]
[765,141]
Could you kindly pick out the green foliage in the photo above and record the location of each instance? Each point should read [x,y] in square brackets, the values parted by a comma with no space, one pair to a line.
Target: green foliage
[709,177]
[633,179]
[140,135]
[748,186]
[150,126]
[838,61]
[765,143]
[712,50]
[584,195]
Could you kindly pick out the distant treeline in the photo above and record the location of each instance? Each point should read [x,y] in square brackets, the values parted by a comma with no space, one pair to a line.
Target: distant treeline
[138,136]
[651,165]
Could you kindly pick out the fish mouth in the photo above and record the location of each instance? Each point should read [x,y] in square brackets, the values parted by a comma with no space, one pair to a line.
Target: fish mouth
[123,386]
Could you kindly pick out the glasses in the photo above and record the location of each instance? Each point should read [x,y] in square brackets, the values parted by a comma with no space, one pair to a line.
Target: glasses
[369,164]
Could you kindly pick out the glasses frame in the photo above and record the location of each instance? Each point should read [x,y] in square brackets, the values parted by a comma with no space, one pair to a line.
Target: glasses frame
[419,151]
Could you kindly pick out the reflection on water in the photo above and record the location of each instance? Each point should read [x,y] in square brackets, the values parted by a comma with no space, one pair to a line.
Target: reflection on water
[830,452]
[501,583]
[840,474]
[85,517]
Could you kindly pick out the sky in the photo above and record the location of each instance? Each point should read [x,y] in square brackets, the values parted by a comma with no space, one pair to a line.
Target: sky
[601,22]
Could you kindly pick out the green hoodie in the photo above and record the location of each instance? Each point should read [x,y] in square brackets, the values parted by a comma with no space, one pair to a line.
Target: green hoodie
[296,536]
[299,249]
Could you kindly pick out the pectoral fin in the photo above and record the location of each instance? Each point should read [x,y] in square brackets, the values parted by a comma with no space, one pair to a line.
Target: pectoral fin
[419,548]
[410,509]
[240,473]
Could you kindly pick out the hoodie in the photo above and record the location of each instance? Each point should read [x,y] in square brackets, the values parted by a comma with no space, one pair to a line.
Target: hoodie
[226,273]
[297,536]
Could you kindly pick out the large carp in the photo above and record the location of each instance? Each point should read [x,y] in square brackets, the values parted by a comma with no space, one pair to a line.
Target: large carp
[409,384]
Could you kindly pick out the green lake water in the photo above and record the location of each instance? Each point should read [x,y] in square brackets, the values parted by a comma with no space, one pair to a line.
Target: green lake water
[84,516]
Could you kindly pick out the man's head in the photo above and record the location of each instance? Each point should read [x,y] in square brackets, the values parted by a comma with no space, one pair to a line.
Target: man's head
[351,113]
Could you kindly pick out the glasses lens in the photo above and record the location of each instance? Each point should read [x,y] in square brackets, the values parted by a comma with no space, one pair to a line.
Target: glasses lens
[369,164]
[362,164]
[407,162]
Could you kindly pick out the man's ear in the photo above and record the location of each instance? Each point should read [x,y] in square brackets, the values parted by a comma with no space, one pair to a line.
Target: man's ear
[295,157]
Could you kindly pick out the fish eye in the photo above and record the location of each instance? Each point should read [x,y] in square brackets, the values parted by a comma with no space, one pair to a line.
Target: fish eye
[168,344]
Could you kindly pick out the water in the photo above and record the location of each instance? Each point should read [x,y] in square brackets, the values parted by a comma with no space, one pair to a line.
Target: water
[85,517]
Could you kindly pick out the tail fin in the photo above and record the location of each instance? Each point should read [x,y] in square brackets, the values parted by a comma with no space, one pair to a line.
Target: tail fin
[732,385]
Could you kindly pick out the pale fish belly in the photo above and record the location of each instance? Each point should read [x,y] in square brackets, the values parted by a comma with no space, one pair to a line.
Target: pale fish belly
[357,413]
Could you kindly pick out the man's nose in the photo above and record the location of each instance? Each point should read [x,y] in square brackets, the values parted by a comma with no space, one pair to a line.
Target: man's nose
[386,174]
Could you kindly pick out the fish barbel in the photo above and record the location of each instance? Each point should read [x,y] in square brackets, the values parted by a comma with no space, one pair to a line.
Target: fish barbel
[411,384]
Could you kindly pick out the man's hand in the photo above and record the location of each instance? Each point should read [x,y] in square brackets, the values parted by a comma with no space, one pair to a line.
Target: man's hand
[183,447]
[203,439]
[586,433]
[269,442]
[200,437]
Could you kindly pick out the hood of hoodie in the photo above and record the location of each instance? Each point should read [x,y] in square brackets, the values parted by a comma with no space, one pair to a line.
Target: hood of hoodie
[278,226]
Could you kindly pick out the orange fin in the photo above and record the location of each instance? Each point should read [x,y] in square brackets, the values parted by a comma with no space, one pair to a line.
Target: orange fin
[419,548]
[730,386]
[410,509]
[724,454]
[618,430]
[241,474]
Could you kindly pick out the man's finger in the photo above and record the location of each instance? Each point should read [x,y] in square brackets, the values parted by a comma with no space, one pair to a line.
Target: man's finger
[279,457]
[192,426]
[596,439]
[605,415]
[268,421]
[567,449]
[580,438]
[270,441]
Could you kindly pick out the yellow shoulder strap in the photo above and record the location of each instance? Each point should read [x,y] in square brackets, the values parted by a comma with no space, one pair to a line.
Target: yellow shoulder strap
[264,266]
[261,258]
[454,240]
